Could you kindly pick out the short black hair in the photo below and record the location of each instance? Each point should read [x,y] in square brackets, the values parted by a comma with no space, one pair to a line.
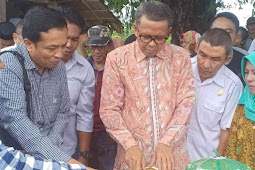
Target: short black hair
[244,34]
[130,39]
[41,19]
[218,37]
[6,30]
[72,16]
[232,17]
[154,11]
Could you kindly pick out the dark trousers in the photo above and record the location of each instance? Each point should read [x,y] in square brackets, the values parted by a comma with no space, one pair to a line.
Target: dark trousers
[104,150]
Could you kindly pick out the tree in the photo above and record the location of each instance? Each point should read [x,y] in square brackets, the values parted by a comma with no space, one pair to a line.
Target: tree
[188,14]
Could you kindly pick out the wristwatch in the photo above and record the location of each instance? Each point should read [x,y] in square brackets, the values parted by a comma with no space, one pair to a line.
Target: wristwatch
[86,155]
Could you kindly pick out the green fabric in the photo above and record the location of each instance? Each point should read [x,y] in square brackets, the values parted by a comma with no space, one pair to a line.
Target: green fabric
[247,99]
[217,163]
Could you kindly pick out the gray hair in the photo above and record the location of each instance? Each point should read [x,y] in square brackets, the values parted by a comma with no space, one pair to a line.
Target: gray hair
[154,11]
[218,37]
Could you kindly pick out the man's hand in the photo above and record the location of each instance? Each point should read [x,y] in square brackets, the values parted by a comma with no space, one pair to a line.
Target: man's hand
[135,158]
[83,160]
[164,157]
[73,161]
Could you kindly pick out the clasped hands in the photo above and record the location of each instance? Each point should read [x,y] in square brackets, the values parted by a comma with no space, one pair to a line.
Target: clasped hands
[163,157]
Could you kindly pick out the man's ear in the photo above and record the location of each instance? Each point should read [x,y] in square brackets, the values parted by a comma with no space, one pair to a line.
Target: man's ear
[15,37]
[228,59]
[135,29]
[169,30]
[29,45]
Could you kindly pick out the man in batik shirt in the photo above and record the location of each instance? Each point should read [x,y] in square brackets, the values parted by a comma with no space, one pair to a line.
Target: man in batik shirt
[147,95]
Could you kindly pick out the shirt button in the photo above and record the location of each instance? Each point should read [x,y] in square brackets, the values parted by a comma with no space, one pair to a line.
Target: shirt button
[41,129]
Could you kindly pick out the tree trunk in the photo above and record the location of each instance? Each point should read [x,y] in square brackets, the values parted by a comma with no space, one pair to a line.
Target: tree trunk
[191,15]
[2,10]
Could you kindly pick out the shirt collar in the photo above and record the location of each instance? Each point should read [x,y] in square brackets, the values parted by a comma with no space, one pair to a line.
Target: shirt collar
[75,59]
[140,55]
[29,64]
[218,78]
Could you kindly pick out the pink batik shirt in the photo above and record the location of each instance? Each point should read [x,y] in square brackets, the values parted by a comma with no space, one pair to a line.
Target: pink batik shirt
[146,101]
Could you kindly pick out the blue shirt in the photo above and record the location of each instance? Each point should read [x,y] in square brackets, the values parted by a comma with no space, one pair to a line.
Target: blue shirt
[81,85]
[14,159]
[42,133]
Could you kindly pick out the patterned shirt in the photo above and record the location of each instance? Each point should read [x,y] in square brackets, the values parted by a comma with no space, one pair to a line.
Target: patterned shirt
[15,159]
[146,101]
[42,133]
[81,85]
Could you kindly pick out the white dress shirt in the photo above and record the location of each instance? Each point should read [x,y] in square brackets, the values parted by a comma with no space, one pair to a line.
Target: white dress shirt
[8,48]
[81,85]
[213,110]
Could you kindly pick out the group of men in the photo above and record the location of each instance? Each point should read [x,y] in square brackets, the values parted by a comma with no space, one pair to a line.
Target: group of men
[146,104]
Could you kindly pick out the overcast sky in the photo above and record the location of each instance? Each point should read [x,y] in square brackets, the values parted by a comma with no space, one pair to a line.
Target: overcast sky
[242,14]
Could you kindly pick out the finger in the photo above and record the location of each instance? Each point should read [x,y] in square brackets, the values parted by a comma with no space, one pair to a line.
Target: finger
[159,164]
[138,164]
[164,164]
[132,163]
[129,163]
[169,163]
[143,163]
[172,162]
[153,160]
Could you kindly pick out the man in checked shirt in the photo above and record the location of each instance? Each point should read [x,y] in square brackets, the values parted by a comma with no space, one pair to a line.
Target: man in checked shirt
[39,133]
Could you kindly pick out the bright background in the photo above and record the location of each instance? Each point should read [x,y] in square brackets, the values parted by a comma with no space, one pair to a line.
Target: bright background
[242,14]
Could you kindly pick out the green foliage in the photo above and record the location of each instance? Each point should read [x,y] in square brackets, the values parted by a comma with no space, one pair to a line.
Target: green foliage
[124,9]
[127,32]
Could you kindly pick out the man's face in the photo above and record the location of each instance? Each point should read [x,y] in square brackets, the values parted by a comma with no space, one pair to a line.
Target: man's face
[251,28]
[74,32]
[99,53]
[227,25]
[210,59]
[151,29]
[47,52]
[5,43]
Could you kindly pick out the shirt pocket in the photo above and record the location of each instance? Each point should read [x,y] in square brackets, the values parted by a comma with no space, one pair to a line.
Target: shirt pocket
[211,114]
[54,109]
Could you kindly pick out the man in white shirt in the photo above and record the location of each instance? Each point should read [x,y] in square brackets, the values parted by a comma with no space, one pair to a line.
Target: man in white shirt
[218,90]
[81,82]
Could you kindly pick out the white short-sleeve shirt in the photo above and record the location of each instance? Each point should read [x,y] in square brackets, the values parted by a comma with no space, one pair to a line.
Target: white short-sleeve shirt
[213,110]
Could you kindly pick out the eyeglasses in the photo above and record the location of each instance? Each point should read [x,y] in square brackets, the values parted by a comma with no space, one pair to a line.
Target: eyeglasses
[148,39]
[93,48]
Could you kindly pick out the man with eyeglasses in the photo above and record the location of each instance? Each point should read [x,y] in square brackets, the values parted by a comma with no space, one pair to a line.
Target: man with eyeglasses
[102,146]
[147,95]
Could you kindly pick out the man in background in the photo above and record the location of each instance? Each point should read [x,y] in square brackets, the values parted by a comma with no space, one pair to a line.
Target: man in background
[6,31]
[17,37]
[81,81]
[103,147]
[230,23]
[250,25]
